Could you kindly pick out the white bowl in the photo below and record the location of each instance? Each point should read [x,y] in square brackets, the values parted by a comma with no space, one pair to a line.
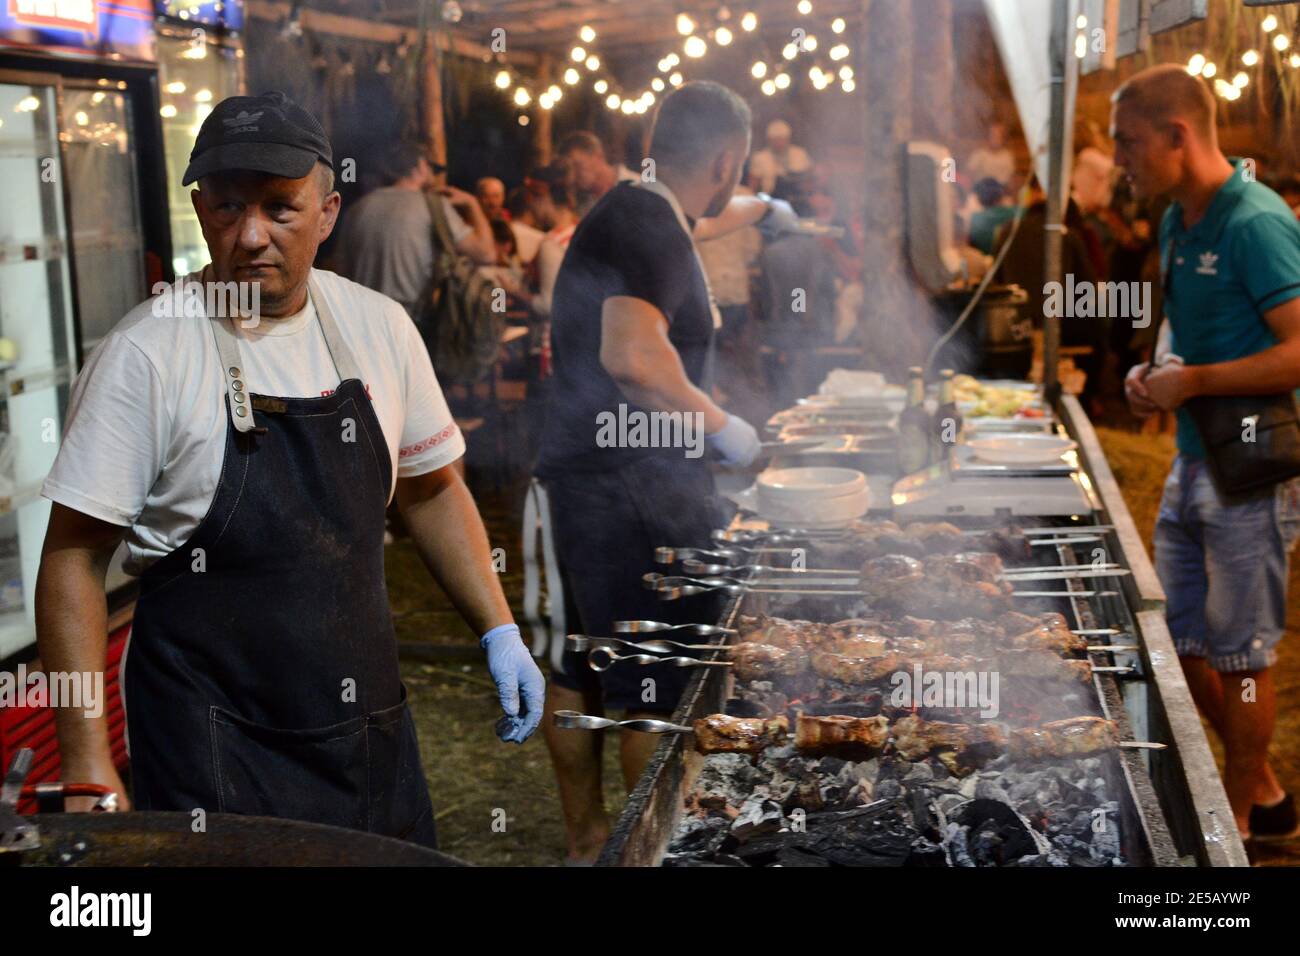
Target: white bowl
[816,512]
[804,484]
[1022,449]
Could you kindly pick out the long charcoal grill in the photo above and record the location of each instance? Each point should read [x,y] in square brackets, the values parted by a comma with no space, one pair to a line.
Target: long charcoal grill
[1172,807]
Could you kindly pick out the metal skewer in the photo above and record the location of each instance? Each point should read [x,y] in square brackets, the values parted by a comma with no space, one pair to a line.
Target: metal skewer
[582,643]
[572,720]
[1060,573]
[652,627]
[601,659]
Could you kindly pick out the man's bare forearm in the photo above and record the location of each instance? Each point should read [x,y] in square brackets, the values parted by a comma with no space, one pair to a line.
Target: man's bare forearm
[1275,369]
[445,525]
[72,637]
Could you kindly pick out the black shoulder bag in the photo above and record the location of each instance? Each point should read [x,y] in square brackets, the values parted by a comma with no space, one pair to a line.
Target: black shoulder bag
[1251,441]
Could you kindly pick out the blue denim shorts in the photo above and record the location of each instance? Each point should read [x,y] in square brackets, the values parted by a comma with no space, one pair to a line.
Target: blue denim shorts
[1223,565]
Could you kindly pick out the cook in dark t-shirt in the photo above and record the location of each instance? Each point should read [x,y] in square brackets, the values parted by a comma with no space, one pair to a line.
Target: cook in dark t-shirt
[630,244]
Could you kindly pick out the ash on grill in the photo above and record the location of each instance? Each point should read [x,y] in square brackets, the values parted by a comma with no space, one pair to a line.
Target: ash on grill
[787,809]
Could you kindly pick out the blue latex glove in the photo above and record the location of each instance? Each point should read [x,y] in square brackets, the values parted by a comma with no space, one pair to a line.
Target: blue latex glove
[514,671]
[736,442]
[781,218]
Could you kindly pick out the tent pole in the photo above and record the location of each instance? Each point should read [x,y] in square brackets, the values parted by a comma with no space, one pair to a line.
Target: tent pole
[1059,53]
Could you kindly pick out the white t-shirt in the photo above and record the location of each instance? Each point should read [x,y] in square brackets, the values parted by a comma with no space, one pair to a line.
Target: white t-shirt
[146,429]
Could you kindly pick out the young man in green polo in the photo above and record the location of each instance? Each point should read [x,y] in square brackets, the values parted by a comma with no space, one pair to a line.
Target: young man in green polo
[1230,251]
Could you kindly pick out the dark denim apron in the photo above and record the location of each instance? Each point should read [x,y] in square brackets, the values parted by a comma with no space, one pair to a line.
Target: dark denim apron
[261,676]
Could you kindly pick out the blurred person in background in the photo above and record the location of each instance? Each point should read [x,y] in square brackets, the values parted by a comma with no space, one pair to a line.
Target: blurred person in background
[527,229]
[388,237]
[995,209]
[780,157]
[593,174]
[552,202]
[491,195]
[992,159]
[728,262]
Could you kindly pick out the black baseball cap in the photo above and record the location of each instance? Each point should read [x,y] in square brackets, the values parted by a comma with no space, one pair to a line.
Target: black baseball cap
[267,133]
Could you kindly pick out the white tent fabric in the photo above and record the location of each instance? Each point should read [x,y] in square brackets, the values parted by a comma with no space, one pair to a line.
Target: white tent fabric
[1022,31]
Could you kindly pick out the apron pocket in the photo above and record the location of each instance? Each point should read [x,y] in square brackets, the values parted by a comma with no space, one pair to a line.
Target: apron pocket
[318,775]
[398,793]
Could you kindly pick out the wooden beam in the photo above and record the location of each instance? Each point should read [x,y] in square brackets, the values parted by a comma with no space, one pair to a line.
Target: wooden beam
[334,24]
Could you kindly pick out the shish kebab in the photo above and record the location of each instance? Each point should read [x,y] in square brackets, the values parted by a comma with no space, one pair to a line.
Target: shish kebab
[761,635]
[959,746]
[968,584]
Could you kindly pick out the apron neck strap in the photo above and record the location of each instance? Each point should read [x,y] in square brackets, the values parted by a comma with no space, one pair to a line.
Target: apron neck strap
[232,367]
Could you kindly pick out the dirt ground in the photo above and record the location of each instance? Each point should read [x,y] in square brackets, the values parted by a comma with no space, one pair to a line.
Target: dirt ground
[475,780]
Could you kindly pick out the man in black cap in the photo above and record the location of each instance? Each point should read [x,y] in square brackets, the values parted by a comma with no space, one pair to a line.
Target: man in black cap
[246,457]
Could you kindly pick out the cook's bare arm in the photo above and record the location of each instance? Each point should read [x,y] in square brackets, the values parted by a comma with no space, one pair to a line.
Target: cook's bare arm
[1275,369]
[72,635]
[444,523]
[739,212]
[637,353]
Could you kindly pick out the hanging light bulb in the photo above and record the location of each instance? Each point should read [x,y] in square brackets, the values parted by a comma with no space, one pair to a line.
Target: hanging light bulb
[804,7]
[839,51]
[837,25]
[848,86]
[175,87]
[846,73]
[203,96]
[600,87]
[695,47]
[675,79]
[1281,42]
[1250,57]
[502,80]
[1295,61]
[809,43]
[1081,22]
[815,74]
[593,63]
[523,119]
[1080,46]
[758,70]
[748,22]
[1209,70]
[555,93]
[612,101]
[627,106]
[571,76]
[657,85]
[782,80]
[166,112]
[673,59]
[722,36]
[768,87]
[1268,24]
[522,97]
[587,34]
[685,25]
[1240,80]
[1196,64]
[544,101]
[577,54]
[789,51]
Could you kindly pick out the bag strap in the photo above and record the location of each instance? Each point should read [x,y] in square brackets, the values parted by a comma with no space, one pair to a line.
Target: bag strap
[441,230]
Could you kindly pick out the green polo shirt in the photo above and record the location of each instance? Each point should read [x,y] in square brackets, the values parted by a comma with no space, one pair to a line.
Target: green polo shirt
[1223,274]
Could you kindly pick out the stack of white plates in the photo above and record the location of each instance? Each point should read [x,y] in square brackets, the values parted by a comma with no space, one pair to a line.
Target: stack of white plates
[812,497]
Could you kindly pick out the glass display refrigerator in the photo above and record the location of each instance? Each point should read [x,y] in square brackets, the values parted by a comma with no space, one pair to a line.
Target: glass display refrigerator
[200,63]
[84,235]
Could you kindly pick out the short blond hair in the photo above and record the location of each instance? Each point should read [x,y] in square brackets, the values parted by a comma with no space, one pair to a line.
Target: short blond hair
[1168,92]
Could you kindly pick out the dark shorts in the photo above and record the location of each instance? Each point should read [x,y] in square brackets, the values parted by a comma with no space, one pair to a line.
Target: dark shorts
[606,526]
